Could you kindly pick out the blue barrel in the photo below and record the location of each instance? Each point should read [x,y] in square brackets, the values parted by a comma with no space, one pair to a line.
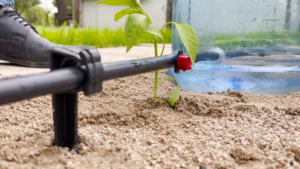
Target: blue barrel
[257,43]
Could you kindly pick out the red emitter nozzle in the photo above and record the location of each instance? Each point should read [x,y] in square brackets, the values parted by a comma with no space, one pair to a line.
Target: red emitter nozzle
[184,63]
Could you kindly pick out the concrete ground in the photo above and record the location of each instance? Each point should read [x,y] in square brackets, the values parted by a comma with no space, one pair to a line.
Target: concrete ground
[108,55]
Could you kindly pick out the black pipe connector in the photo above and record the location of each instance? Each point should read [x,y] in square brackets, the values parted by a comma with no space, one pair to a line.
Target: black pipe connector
[94,71]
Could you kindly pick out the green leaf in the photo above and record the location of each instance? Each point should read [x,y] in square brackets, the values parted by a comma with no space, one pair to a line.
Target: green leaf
[133,3]
[154,31]
[174,96]
[118,2]
[124,12]
[136,25]
[189,39]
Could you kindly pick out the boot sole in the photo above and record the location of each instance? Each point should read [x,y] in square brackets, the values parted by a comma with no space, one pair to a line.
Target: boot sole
[24,62]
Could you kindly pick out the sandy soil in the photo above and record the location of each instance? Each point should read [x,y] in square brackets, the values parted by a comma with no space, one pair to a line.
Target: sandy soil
[123,127]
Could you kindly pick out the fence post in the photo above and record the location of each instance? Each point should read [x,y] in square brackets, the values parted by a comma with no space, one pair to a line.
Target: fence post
[62,14]
[288,13]
[77,11]
[169,12]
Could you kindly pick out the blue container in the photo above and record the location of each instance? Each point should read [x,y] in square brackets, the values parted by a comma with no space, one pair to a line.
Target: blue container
[257,43]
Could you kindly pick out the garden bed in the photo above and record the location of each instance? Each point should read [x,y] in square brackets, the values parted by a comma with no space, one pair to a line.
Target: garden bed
[123,127]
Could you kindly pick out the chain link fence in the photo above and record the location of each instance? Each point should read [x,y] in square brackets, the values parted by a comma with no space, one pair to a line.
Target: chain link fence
[242,16]
[102,16]
[231,24]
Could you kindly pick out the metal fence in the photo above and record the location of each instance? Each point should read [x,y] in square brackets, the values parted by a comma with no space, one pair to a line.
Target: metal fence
[102,16]
[219,16]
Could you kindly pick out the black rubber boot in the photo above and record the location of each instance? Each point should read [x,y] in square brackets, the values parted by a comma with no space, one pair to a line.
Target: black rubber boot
[21,44]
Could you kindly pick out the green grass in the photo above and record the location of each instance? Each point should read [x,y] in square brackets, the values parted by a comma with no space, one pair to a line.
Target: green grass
[112,38]
[93,36]
[249,40]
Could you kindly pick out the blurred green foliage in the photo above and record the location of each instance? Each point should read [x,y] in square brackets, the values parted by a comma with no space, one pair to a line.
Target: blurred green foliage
[93,36]
[23,6]
[33,13]
[269,38]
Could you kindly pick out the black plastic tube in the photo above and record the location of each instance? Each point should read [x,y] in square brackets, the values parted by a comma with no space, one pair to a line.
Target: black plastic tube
[67,79]
[207,56]
[261,52]
[127,68]
[26,87]
[212,55]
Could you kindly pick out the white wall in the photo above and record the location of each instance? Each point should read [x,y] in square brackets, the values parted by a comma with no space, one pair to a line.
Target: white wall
[102,16]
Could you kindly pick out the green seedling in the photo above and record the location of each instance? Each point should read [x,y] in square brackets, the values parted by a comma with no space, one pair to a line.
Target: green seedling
[139,23]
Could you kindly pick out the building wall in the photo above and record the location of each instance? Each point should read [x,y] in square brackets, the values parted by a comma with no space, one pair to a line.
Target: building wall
[102,16]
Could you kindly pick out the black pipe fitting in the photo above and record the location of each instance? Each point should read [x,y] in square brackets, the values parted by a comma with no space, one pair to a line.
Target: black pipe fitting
[71,73]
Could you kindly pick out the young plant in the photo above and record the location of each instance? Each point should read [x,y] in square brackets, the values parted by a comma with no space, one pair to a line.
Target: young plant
[139,23]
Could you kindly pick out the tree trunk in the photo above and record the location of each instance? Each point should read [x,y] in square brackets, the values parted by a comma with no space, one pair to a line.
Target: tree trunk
[288,14]
[298,13]
[77,11]
[169,12]
[62,14]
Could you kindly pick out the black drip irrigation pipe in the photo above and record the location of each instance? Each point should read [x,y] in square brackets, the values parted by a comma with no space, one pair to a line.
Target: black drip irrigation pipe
[26,87]
[261,52]
[67,79]
[215,55]
[21,88]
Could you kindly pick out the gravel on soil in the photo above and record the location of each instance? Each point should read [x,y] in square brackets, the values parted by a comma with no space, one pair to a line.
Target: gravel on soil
[123,127]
